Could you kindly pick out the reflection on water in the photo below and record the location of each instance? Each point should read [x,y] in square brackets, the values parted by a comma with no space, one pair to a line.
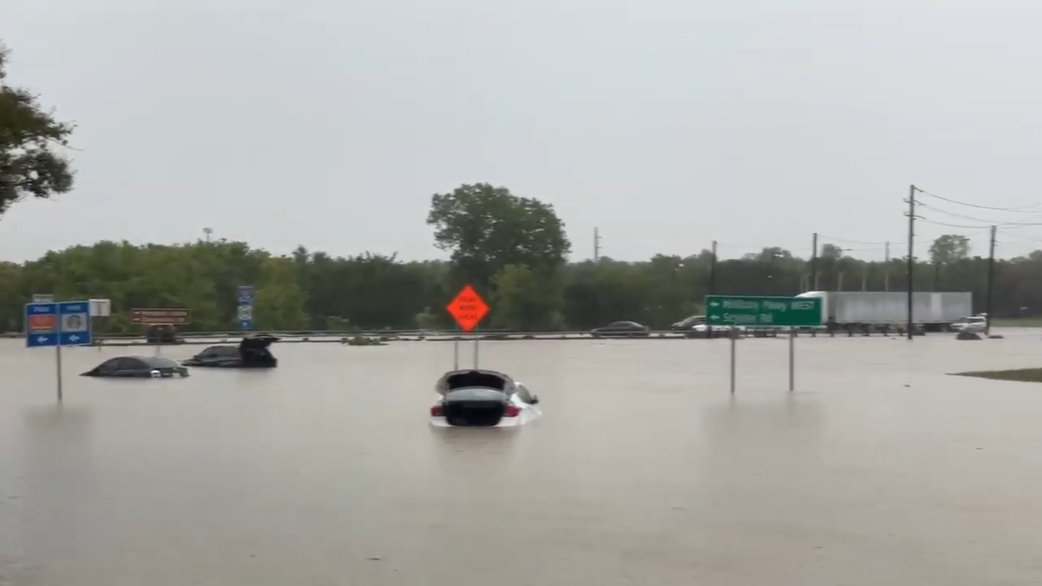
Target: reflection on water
[644,470]
[59,473]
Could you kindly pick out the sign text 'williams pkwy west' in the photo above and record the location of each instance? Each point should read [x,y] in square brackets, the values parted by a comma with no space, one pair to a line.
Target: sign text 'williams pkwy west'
[745,310]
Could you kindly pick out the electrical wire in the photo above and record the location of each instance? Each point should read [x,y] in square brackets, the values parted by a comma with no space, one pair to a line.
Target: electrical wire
[964,226]
[1033,208]
[989,222]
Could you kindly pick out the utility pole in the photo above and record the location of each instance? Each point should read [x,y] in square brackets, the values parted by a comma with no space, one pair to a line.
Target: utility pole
[814,262]
[712,270]
[596,245]
[911,256]
[886,265]
[991,280]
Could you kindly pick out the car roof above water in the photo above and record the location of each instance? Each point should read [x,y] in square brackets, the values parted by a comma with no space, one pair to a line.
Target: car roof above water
[157,361]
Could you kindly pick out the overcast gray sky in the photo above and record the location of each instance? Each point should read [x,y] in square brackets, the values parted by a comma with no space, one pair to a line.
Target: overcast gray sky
[666,124]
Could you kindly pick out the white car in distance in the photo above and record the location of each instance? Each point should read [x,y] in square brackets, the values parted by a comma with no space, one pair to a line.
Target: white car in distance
[974,324]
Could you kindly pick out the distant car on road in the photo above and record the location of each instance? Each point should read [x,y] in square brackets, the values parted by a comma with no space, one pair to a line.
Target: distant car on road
[621,329]
[138,367]
[976,324]
[687,324]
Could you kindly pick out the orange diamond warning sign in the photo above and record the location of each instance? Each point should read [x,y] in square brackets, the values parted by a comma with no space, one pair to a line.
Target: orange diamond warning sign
[468,308]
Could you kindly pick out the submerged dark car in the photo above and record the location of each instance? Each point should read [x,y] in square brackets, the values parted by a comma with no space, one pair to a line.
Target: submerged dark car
[138,367]
[621,329]
[252,352]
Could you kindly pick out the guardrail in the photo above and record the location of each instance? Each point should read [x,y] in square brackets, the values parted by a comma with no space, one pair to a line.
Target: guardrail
[447,335]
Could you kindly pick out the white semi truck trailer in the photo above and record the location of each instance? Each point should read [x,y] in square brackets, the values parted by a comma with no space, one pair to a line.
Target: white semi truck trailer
[932,311]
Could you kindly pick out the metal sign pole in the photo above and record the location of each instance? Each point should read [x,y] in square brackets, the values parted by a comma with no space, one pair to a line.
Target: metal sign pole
[734,343]
[58,357]
[476,340]
[792,359]
[58,365]
[455,352]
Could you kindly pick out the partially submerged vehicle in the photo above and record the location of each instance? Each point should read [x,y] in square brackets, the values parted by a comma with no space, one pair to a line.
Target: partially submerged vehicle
[138,367]
[252,352]
[162,334]
[976,324]
[482,398]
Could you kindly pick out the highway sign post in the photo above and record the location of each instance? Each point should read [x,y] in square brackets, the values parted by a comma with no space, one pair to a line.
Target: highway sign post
[763,312]
[468,309]
[244,294]
[51,324]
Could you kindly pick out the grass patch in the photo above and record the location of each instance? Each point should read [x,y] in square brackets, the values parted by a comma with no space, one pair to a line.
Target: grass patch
[363,341]
[1020,375]
[1017,322]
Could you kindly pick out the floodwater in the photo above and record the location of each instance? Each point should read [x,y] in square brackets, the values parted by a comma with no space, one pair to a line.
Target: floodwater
[644,470]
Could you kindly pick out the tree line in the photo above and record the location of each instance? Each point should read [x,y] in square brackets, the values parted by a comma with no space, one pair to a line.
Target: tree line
[315,291]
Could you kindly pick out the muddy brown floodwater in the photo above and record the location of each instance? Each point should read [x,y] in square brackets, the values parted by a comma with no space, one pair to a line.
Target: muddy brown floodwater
[880,469]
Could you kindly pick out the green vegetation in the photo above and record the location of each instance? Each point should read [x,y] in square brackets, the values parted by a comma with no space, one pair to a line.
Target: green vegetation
[1023,375]
[364,341]
[315,291]
[29,163]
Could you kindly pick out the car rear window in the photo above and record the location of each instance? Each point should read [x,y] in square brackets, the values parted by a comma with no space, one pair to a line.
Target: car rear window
[476,395]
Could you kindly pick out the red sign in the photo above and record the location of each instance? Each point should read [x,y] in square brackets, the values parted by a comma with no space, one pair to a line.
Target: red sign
[173,316]
[468,308]
[43,323]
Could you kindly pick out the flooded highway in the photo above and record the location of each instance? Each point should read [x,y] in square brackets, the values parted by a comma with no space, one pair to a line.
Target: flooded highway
[644,470]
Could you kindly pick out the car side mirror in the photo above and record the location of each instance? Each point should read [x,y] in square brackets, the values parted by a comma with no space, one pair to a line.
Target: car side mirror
[535,400]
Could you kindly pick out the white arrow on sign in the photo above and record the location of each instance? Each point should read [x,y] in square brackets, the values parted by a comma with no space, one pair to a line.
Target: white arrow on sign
[74,338]
[41,339]
[714,304]
[715,317]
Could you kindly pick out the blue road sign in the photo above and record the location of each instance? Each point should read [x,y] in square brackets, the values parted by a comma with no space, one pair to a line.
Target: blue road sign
[74,323]
[245,296]
[52,324]
[41,325]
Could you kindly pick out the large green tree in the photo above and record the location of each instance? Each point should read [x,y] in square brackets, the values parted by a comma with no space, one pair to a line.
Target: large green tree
[488,228]
[31,162]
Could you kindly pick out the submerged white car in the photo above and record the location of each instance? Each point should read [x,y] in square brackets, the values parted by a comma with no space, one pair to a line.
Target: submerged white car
[975,324]
[482,398]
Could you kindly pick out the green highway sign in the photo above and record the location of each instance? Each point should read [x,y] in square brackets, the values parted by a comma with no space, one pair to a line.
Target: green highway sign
[760,311]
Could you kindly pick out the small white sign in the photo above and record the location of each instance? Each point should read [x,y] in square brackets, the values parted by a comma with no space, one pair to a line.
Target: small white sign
[43,298]
[100,307]
[245,312]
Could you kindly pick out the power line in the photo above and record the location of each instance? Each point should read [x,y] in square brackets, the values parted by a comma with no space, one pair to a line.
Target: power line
[963,226]
[1021,209]
[988,221]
